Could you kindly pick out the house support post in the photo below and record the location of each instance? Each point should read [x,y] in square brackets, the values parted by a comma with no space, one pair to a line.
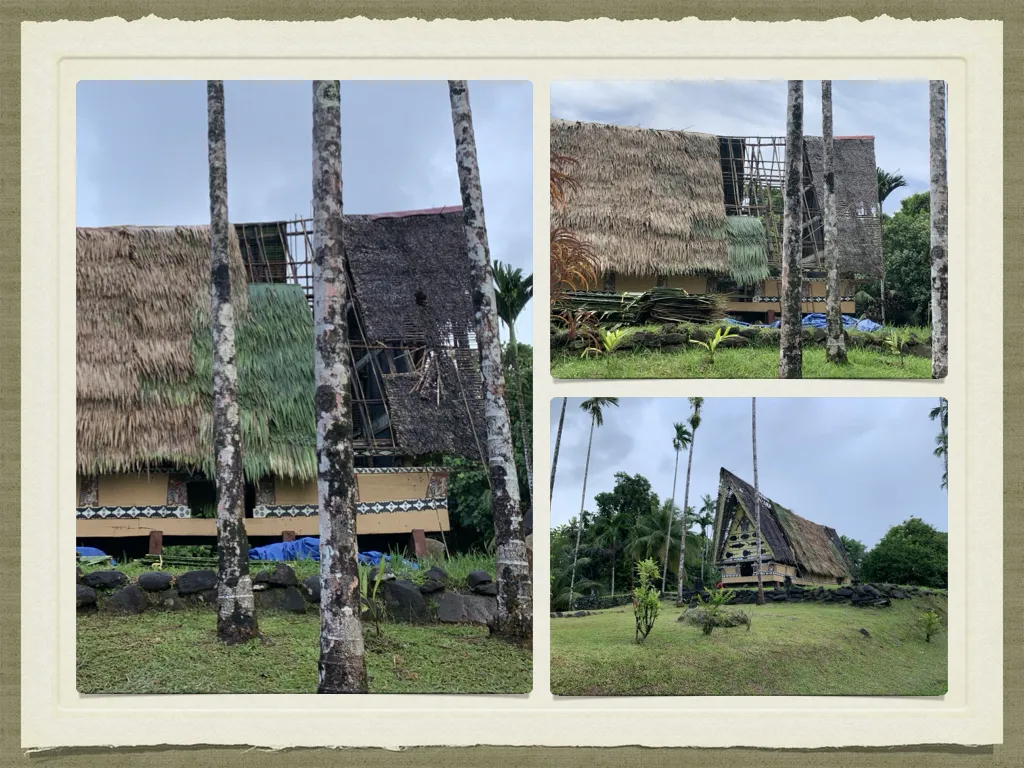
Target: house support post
[419,543]
[156,542]
[287,535]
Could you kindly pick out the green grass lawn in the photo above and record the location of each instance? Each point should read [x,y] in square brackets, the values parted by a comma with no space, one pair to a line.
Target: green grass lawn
[735,363]
[792,649]
[178,652]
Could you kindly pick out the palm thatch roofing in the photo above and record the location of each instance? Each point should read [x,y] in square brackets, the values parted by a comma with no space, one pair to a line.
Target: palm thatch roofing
[794,540]
[748,249]
[144,364]
[856,179]
[649,201]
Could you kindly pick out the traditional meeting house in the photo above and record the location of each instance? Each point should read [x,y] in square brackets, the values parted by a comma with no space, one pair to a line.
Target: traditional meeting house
[144,377]
[792,547]
[704,213]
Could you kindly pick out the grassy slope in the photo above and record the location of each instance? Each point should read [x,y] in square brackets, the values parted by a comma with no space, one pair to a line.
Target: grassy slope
[791,650]
[178,652]
[753,363]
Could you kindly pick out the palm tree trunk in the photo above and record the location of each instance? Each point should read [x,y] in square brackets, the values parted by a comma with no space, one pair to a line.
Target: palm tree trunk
[686,501]
[519,407]
[835,344]
[757,500]
[558,442]
[671,519]
[790,354]
[515,592]
[939,227]
[341,668]
[236,609]
[579,528]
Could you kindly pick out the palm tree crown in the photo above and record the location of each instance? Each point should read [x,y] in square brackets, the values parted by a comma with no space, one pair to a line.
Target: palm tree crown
[513,292]
[595,407]
[888,183]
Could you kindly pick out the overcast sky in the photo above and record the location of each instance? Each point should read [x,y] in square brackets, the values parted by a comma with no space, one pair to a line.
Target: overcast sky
[894,112]
[859,465]
[142,155]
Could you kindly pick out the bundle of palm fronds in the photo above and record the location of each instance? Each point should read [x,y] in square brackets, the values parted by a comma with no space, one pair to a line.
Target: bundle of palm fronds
[748,249]
[657,305]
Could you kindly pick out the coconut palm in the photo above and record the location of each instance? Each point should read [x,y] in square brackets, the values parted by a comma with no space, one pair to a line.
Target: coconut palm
[939,225]
[835,344]
[342,667]
[236,610]
[705,518]
[757,499]
[515,593]
[564,588]
[595,407]
[558,442]
[656,533]
[512,293]
[888,183]
[790,355]
[696,403]
[610,530]
[941,413]
[680,442]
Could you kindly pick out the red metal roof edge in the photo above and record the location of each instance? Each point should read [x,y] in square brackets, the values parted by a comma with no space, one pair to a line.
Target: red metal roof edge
[837,138]
[420,212]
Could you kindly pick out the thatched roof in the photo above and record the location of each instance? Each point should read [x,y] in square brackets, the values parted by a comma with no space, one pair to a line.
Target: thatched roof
[144,349]
[860,228]
[649,202]
[411,274]
[794,540]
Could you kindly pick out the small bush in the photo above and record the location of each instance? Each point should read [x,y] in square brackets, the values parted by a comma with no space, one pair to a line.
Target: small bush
[932,624]
[646,603]
[712,608]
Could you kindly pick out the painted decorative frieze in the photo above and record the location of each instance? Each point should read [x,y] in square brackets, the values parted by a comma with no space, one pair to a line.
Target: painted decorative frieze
[117,513]
[362,508]
[266,495]
[89,491]
[177,491]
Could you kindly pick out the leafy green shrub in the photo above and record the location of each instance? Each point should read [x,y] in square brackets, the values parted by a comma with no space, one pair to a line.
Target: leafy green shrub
[710,346]
[188,550]
[646,603]
[712,607]
[373,606]
[931,623]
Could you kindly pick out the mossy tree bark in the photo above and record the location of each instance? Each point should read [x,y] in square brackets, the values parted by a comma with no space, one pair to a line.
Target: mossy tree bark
[939,205]
[558,442]
[515,592]
[236,609]
[342,667]
[790,355]
[835,344]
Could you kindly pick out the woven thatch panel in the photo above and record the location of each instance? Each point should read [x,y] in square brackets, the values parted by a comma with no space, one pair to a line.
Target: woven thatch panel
[650,201]
[860,230]
[794,540]
[426,420]
[139,292]
[411,274]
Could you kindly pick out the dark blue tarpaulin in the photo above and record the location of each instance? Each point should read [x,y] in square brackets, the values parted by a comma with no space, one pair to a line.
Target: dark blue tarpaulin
[92,552]
[818,320]
[308,548]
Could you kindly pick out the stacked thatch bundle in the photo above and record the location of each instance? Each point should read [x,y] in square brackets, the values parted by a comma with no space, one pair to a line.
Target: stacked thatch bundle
[815,549]
[860,226]
[649,201]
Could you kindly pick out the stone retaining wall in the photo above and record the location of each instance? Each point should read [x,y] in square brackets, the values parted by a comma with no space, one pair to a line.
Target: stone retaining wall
[401,600]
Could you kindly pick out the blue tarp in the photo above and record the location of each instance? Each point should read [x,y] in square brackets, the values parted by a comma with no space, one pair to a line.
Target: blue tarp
[308,548]
[818,320]
[93,552]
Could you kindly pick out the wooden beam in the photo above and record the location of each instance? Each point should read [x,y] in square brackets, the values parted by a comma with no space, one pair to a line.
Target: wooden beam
[156,542]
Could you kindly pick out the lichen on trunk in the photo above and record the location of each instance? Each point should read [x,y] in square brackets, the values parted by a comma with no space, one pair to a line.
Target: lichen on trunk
[515,593]
[342,667]
[939,206]
[236,610]
[790,355]
[835,343]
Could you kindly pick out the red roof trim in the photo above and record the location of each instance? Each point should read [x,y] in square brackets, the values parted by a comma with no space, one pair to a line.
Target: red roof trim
[853,137]
[421,212]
